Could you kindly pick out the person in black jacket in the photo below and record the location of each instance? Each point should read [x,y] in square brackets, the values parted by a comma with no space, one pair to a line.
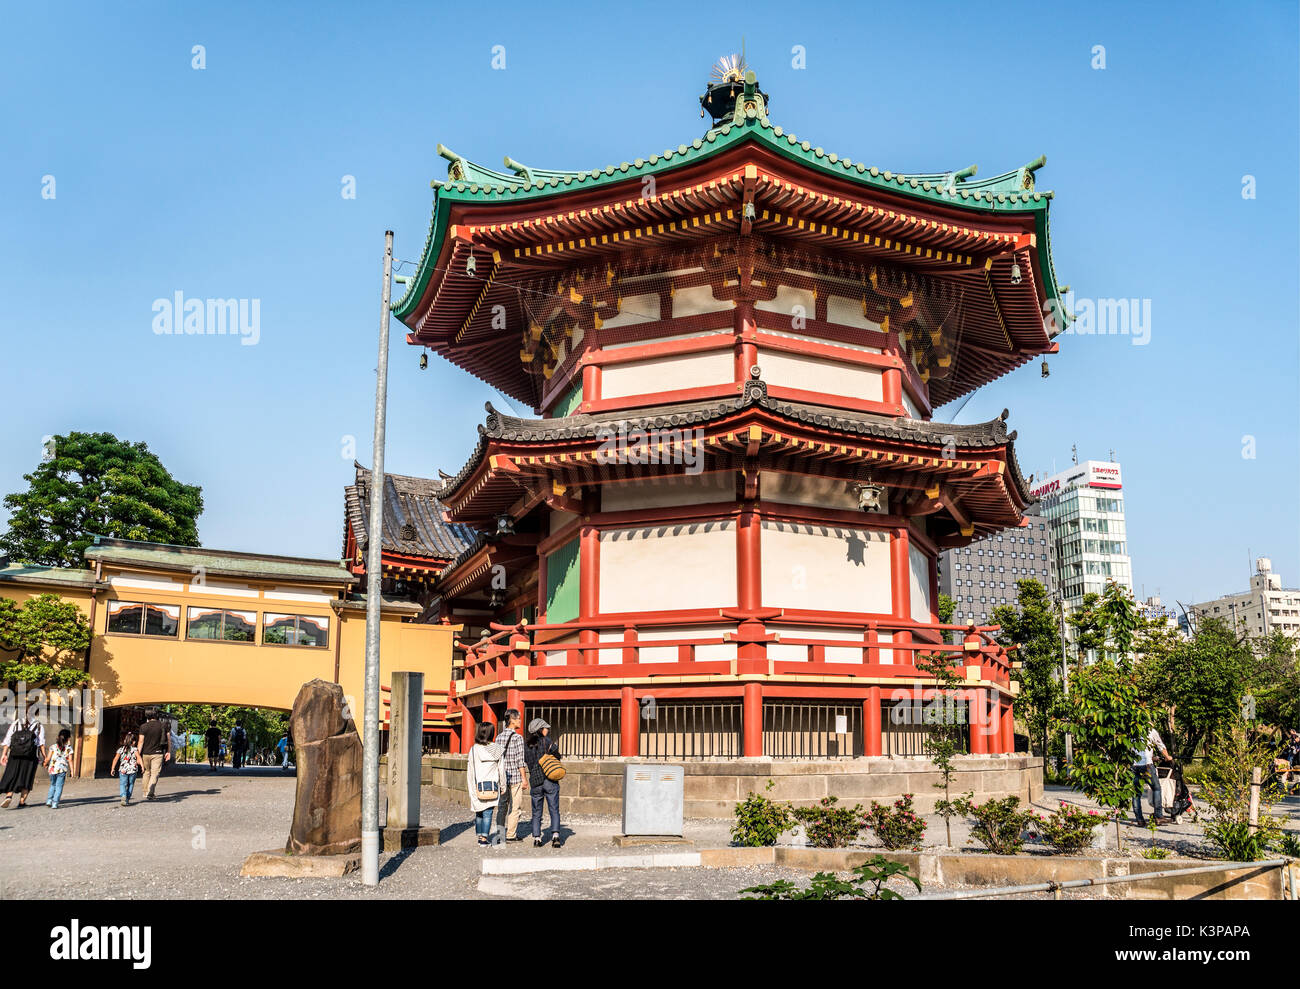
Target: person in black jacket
[538,744]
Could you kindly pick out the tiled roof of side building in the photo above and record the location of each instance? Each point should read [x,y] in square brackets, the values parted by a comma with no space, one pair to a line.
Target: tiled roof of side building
[413,517]
[46,576]
[220,563]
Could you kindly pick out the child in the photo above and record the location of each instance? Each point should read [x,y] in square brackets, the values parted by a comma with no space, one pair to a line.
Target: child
[129,757]
[58,764]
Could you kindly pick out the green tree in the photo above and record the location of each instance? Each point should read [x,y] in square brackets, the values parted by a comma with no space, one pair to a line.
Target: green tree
[95,484]
[264,727]
[1108,721]
[1204,682]
[42,643]
[944,732]
[1277,680]
[1119,618]
[1089,624]
[1032,626]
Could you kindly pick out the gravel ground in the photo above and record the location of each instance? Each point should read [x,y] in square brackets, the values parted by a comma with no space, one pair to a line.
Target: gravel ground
[191,842]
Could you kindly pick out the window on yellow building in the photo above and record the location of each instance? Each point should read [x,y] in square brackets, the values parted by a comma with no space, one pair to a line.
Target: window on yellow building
[295,630]
[218,623]
[136,618]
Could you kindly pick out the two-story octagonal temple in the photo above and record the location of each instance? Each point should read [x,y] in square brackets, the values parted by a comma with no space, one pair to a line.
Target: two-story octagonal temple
[719,538]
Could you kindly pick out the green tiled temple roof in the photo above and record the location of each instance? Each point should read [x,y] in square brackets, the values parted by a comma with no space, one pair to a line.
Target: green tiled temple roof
[1012,191]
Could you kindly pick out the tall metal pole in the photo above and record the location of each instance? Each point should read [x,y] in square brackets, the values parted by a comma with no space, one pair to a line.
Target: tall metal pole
[1065,679]
[374,564]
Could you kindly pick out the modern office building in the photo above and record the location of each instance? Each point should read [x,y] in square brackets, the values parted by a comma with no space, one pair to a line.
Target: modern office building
[1267,606]
[983,575]
[1084,507]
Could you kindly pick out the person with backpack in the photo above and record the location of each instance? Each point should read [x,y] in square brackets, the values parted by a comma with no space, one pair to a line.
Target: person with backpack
[542,757]
[126,763]
[239,744]
[58,765]
[21,752]
[483,776]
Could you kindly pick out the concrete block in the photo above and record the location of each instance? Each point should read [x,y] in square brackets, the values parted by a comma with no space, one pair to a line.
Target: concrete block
[400,839]
[597,785]
[796,788]
[675,860]
[632,840]
[729,858]
[280,864]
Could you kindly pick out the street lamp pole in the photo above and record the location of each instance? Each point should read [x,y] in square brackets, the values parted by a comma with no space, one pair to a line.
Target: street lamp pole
[374,566]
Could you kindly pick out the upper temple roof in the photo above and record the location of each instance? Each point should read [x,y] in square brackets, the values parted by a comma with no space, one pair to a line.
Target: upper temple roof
[413,517]
[495,233]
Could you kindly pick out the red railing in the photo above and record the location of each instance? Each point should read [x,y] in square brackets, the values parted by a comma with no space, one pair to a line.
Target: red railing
[435,705]
[490,659]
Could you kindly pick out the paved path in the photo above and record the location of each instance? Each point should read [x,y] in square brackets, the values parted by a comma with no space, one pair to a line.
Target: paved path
[191,842]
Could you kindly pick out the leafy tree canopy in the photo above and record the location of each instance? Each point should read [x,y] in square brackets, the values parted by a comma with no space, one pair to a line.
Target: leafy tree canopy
[41,643]
[95,484]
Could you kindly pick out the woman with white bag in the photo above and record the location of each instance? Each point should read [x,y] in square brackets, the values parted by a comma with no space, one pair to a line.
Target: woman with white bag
[483,772]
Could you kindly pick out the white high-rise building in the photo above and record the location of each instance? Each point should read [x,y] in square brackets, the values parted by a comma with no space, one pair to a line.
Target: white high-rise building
[1266,607]
[1085,508]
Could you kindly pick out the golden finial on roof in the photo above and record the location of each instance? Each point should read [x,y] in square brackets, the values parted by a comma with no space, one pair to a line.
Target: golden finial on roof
[729,68]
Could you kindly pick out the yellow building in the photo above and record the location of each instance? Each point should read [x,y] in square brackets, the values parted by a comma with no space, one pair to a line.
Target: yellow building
[176,624]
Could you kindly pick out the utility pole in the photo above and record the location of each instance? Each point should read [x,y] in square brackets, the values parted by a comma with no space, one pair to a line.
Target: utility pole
[374,565]
[1065,677]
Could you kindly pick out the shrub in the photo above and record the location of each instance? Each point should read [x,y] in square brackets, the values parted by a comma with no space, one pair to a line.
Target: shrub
[1155,852]
[999,826]
[1236,843]
[830,826]
[1068,829]
[1289,845]
[896,827]
[760,821]
[826,886]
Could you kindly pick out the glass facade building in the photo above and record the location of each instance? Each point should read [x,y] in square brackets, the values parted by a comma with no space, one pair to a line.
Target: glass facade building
[1084,508]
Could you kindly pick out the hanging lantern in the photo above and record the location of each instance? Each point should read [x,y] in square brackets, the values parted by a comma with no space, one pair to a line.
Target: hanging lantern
[1015,273]
[424,361]
[1046,372]
[471,266]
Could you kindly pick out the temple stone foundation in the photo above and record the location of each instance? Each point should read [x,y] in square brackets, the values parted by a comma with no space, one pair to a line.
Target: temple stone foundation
[713,788]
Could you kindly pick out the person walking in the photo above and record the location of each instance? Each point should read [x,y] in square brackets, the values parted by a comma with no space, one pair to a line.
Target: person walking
[483,773]
[126,763]
[21,752]
[516,782]
[155,749]
[58,764]
[539,745]
[284,747]
[239,744]
[212,738]
[1145,776]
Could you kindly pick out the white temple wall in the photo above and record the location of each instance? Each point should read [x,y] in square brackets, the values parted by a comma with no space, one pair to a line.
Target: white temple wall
[825,568]
[669,567]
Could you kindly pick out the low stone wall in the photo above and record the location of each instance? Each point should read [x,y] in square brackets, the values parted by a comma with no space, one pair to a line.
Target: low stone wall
[1235,881]
[714,787]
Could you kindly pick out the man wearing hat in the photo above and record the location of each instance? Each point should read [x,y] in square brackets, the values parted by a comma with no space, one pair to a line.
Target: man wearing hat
[539,744]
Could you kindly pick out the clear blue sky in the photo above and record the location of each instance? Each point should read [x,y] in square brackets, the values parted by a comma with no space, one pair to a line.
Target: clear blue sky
[226,182]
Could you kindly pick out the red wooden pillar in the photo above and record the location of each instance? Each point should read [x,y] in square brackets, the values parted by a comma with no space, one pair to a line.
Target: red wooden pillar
[1008,729]
[591,383]
[891,386]
[752,720]
[628,724]
[993,730]
[746,350]
[589,584]
[453,742]
[516,700]
[975,712]
[468,726]
[901,583]
[749,559]
[872,730]
[490,716]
